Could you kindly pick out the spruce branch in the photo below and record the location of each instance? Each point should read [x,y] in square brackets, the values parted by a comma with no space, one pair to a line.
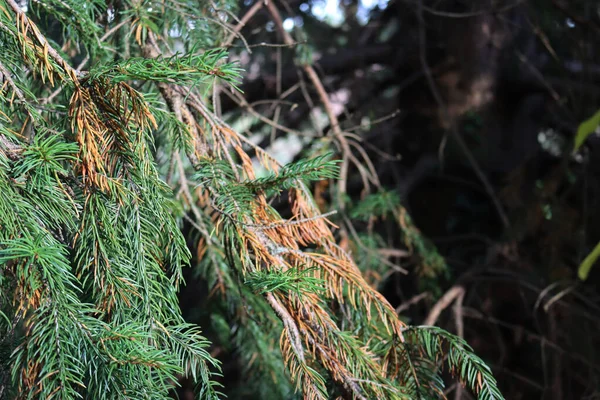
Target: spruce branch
[103,197]
[187,69]
[461,360]
[315,169]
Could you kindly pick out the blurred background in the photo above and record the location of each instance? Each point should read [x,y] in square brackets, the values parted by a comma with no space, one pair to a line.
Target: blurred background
[466,201]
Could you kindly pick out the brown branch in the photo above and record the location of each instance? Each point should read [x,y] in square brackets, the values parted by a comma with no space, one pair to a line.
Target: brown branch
[267,249]
[455,293]
[449,14]
[530,335]
[348,381]
[340,62]
[7,77]
[176,104]
[236,30]
[184,187]
[11,150]
[244,104]
[288,321]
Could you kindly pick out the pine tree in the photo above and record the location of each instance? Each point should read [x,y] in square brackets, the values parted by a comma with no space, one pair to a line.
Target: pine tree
[108,146]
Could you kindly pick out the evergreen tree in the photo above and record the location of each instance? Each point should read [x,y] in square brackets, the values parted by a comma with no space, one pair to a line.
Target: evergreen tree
[108,145]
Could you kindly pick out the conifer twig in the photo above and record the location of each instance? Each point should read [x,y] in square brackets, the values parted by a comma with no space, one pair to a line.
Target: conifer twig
[42,40]
[293,222]
[85,60]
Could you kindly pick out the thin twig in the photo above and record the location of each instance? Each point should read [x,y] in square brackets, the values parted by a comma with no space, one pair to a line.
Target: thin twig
[235,32]
[412,301]
[241,101]
[460,330]
[538,75]
[6,74]
[375,121]
[293,222]
[455,293]
[472,14]
[309,102]
[375,253]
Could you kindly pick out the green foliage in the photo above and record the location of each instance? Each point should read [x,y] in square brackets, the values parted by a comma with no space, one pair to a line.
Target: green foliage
[377,204]
[133,323]
[587,264]
[315,169]
[175,134]
[290,281]
[189,24]
[228,196]
[461,361]
[190,69]
[233,197]
[77,19]
[585,129]
[45,158]
[89,276]
[366,255]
